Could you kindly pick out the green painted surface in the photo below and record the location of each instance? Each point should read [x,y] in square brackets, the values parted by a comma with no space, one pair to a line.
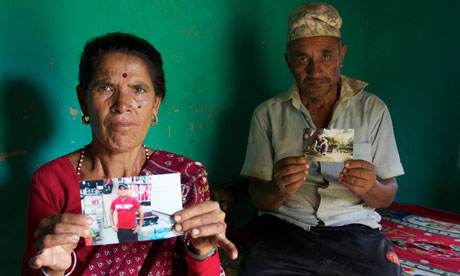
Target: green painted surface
[222,58]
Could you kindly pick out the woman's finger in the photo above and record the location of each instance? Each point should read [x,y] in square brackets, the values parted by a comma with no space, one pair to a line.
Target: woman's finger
[228,247]
[57,258]
[62,234]
[47,225]
[196,210]
[60,239]
[208,230]
[200,221]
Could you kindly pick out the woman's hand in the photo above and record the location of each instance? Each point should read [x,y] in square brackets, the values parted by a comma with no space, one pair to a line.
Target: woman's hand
[206,225]
[55,238]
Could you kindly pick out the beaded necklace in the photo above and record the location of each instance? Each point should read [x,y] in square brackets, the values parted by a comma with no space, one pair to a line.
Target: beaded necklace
[82,154]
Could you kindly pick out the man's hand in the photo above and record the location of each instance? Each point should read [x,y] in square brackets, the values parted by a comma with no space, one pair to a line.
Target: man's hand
[290,173]
[114,228]
[206,226]
[137,229]
[358,176]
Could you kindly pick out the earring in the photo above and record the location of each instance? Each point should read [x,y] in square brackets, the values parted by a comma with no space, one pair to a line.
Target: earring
[85,119]
[154,120]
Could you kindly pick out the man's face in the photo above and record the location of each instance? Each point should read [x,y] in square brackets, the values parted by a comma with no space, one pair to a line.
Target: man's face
[315,63]
[122,191]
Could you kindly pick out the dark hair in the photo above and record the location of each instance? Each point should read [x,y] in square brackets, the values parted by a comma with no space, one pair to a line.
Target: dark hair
[123,43]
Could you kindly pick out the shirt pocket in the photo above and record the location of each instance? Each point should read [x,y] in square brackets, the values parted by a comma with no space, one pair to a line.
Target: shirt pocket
[362,151]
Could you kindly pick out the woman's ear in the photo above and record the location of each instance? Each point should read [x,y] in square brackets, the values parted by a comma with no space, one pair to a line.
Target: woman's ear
[156,105]
[81,94]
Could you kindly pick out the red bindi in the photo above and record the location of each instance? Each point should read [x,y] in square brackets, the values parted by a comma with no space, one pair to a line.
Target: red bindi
[124,75]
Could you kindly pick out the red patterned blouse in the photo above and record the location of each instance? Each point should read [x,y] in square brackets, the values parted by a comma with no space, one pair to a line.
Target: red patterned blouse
[55,189]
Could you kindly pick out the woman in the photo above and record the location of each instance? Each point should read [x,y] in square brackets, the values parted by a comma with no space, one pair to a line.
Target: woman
[121,87]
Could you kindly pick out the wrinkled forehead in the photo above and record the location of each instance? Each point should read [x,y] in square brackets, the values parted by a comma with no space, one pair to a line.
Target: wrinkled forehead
[121,66]
[320,43]
[116,62]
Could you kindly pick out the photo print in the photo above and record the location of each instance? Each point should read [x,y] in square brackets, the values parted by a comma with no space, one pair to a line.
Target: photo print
[328,145]
[131,208]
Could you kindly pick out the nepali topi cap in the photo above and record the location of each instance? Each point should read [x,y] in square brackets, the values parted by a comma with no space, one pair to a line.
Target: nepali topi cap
[313,19]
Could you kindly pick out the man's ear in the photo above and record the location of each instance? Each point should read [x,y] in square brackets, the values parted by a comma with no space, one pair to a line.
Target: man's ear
[81,94]
[286,58]
[342,54]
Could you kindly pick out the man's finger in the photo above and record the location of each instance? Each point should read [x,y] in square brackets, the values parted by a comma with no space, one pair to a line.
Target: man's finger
[359,173]
[290,161]
[291,179]
[292,169]
[351,164]
[293,187]
[354,181]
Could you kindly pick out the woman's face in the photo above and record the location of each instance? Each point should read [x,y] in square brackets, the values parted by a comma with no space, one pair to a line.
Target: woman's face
[120,101]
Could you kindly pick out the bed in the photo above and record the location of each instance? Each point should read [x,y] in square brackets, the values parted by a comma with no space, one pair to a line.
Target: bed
[426,240]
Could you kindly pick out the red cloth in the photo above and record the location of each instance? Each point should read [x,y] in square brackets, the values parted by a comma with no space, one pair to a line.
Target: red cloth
[126,211]
[55,189]
[426,240]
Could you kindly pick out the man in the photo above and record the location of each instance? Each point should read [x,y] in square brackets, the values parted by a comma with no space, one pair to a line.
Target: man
[319,218]
[126,207]
[320,145]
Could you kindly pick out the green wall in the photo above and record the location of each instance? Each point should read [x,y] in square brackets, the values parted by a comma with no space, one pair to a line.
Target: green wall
[222,58]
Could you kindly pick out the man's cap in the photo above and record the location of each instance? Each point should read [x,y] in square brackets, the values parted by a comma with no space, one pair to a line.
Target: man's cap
[123,185]
[313,19]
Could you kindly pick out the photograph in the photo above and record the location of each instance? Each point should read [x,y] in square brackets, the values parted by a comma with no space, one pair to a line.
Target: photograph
[131,209]
[328,145]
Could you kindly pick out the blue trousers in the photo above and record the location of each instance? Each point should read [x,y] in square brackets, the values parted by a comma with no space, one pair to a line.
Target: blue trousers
[323,148]
[126,235]
[280,248]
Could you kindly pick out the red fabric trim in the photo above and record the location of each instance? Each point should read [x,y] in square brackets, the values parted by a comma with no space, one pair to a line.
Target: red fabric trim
[427,212]
[206,267]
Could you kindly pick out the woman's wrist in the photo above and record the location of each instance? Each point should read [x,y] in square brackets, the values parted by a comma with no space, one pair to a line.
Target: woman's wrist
[199,254]
[61,272]
[47,272]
